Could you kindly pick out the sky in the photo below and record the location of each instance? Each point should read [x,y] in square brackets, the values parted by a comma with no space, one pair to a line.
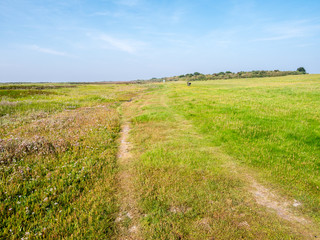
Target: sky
[121,40]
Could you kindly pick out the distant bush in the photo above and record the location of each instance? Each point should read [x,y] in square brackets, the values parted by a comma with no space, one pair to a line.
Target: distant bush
[301,70]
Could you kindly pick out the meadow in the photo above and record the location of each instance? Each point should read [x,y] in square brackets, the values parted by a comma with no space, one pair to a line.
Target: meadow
[58,161]
[270,125]
[223,159]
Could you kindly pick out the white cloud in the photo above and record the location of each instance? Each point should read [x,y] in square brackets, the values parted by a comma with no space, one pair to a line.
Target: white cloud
[289,30]
[48,51]
[108,14]
[129,46]
[105,13]
[285,33]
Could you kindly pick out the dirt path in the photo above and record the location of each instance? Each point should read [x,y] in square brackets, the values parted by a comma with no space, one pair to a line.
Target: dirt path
[273,201]
[128,215]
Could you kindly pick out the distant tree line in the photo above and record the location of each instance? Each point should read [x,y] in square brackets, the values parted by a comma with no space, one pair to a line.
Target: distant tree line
[196,76]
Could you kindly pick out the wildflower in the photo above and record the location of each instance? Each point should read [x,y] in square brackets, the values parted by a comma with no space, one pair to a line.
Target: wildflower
[18,202]
[55,203]
[10,209]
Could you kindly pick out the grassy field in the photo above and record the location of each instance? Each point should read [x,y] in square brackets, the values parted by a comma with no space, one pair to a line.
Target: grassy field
[271,125]
[196,152]
[58,161]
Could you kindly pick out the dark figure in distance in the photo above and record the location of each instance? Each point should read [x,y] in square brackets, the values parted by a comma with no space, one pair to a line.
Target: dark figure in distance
[188,83]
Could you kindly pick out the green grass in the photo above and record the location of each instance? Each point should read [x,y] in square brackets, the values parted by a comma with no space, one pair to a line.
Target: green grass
[22,93]
[185,137]
[58,162]
[28,107]
[270,124]
[58,166]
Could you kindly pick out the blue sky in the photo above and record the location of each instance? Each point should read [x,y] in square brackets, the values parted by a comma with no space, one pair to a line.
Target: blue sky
[117,40]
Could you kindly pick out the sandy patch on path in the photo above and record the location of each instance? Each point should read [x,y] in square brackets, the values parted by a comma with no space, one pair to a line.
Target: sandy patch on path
[274,202]
[127,219]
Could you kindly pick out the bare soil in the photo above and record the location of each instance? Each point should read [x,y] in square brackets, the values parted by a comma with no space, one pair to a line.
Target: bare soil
[127,219]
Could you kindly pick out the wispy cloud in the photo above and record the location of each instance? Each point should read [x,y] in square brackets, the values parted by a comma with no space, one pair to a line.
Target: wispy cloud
[284,33]
[178,15]
[276,38]
[47,50]
[222,37]
[104,13]
[290,30]
[108,13]
[125,45]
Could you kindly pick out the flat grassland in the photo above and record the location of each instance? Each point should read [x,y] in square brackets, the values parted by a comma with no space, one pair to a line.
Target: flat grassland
[58,161]
[224,159]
